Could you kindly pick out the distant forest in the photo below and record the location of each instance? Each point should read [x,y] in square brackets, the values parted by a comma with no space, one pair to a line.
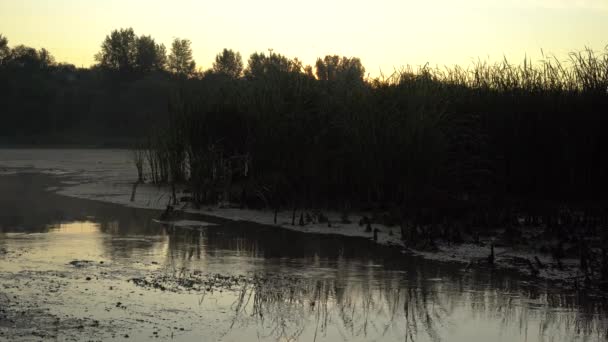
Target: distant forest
[325,133]
[44,102]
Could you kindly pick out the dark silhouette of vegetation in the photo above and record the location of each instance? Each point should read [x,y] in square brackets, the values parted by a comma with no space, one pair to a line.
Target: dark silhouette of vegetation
[4,50]
[124,52]
[228,63]
[180,58]
[281,134]
[111,103]
[119,51]
[491,132]
[150,56]
[333,68]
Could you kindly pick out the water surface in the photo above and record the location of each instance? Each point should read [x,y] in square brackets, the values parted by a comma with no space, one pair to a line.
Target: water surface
[69,265]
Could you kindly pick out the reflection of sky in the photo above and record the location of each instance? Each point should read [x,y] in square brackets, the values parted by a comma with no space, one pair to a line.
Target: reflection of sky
[334,299]
[383,33]
[82,240]
[79,228]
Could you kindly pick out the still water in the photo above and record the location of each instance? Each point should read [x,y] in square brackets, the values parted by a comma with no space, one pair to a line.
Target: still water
[69,266]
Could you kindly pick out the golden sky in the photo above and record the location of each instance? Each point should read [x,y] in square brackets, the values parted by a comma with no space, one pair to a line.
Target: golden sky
[385,34]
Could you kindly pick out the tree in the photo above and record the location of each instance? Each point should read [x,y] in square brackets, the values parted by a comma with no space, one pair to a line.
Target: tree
[26,57]
[351,69]
[149,56]
[327,68]
[45,58]
[119,51]
[4,49]
[228,63]
[260,65]
[180,58]
[333,68]
[308,71]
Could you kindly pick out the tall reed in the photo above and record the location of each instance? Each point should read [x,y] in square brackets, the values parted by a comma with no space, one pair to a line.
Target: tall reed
[421,136]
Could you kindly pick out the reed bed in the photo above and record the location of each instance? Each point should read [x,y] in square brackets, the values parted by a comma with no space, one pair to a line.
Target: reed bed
[422,137]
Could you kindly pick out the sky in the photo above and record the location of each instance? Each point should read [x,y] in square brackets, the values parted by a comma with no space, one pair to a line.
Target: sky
[384,34]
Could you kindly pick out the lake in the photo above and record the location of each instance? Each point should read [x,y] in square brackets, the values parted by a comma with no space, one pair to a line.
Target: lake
[78,269]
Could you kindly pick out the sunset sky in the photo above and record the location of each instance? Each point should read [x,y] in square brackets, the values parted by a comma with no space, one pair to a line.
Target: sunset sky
[383,33]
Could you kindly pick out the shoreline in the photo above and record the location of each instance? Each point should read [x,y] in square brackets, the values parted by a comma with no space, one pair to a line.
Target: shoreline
[467,253]
[111,181]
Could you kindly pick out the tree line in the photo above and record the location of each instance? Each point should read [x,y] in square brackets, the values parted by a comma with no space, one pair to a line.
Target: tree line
[48,102]
[108,103]
[324,133]
[124,52]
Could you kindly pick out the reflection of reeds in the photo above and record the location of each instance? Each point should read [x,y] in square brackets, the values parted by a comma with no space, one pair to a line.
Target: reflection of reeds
[353,305]
[560,316]
[293,307]
[382,307]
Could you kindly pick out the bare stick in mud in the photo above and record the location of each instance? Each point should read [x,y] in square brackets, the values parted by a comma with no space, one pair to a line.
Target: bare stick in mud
[133,190]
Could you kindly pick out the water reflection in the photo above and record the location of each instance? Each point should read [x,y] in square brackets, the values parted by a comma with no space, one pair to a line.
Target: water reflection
[344,295]
[298,286]
[77,227]
[336,310]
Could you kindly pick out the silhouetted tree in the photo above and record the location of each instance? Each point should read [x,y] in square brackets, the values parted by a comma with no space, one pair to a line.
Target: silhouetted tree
[308,71]
[150,56]
[180,58]
[26,57]
[229,63]
[4,49]
[45,58]
[23,56]
[327,68]
[118,51]
[259,64]
[351,69]
[333,68]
